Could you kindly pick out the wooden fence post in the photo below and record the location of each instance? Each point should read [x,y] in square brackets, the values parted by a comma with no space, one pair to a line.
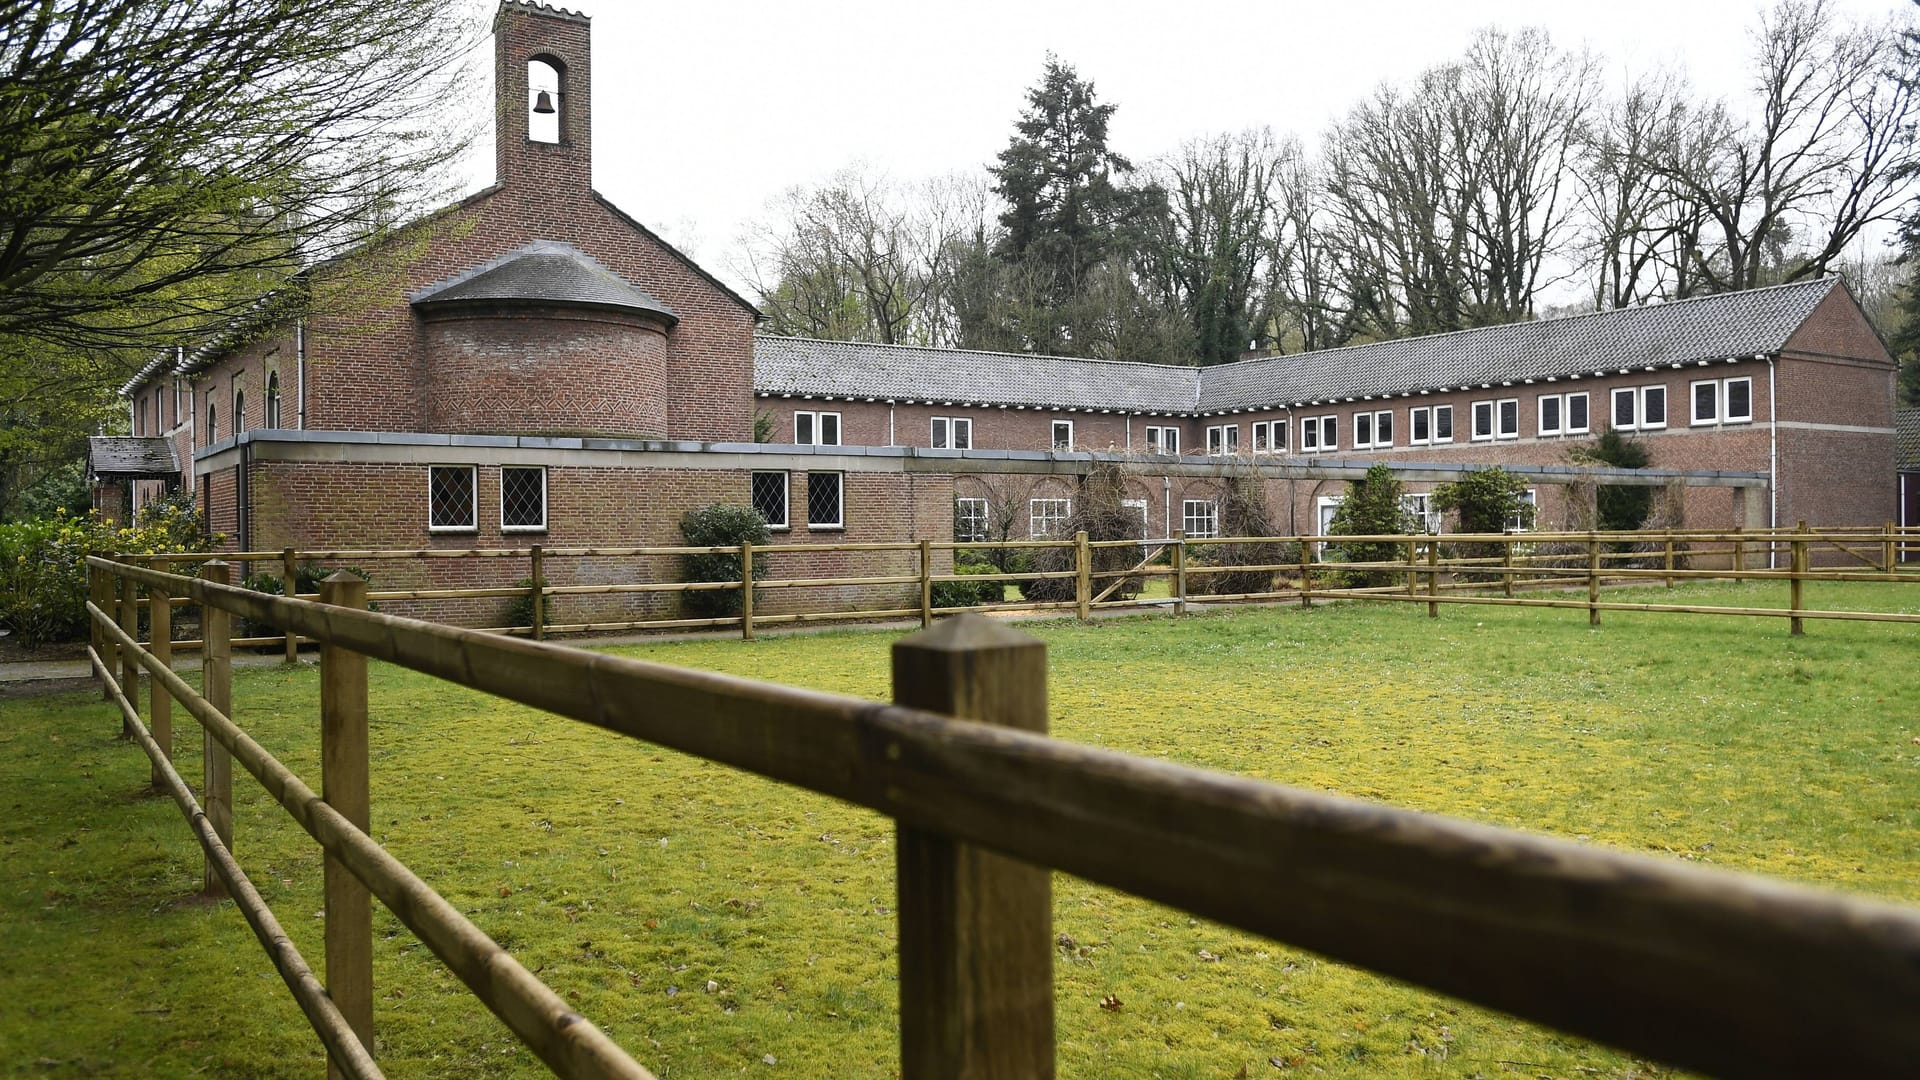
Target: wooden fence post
[1669,560]
[1433,578]
[160,644]
[290,586]
[1740,550]
[976,944]
[1413,569]
[100,590]
[216,685]
[343,783]
[1179,572]
[1306,573]
[1083,576]
[537,573]
[746,590]
[1886,551]
[1506,565]
[130,625]
[1593,580]
[1797,567]
[926,584]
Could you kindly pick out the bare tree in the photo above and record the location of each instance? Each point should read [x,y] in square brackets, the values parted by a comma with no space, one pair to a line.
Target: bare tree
[1638,227]
[1786,192]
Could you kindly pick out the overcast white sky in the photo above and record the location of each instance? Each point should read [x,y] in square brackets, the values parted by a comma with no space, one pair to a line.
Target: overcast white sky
[705,111]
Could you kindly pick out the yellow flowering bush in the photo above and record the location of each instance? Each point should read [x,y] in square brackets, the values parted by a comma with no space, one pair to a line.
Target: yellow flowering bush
[43,574]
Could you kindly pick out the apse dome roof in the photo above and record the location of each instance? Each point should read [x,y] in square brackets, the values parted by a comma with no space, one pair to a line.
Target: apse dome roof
[547,273]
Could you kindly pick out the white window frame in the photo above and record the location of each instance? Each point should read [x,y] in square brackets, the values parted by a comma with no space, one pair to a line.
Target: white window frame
[1362,429]
[1566,414]
[1163,440]
[1726,398]
[1383,429]
[239,424]
[1559,423]
[815,421]
[1419,507]
[473,493]
[1204,511]
[1223,440]
[1035,516]
[1532,498]
[1632,397]
[1694,419]
[839,521]
[1415,416]
[786,497]
[970,502]
[1646,422]
[1438,412]
[1309,434]
[1270,437]
[273,400]
[1500,410]
[1476,407]
[1057,442]
[1329,434]
[951,433]
[506,528]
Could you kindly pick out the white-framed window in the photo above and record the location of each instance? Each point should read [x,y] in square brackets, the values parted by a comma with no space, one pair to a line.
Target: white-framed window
[1577,420]
[1706,402]
[1482,421]
[1737,401]
[1063,434]
[1163,440]
[1270,437]
[769,492]
[1523,522]
[1420,425]
[1319,434]
[1626,408]
[1045,516]
[1653,407]
[1223,439]
[273,400]
[952,433]
[1420,509]
[239,411]
[816,428]
[1442,423]
[453,499]
[523,498]
[1200,517]
[213,421]
[177,385]
[1372,429]
[826,500]
[1507,413]
[1552,415]
[970,520]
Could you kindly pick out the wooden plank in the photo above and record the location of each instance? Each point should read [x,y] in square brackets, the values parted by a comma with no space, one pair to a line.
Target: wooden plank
[343,780]
[746,591]
[976,942]
[160,644]
[1082,585]
[537,574]
[129,616]
[290,586]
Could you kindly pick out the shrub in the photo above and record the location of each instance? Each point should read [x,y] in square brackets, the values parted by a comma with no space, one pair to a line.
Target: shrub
[1485,501]
[1618,507]
[43,573]
[719,525]
[970,593]
[520,608]
[1243,512]
[1372,508]
[1100,512]
[307,577]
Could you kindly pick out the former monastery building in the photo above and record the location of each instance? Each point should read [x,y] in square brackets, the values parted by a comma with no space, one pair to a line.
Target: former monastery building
[532,365]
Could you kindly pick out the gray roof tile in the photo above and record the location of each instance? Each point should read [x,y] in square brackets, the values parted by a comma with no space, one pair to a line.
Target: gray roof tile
[1749,323]
[130,456]
[544,271]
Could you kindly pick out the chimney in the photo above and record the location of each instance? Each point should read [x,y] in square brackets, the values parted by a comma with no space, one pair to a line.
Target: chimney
[542,140]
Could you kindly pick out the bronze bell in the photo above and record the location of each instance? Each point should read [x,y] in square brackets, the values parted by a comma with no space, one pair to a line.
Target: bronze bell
[543,103]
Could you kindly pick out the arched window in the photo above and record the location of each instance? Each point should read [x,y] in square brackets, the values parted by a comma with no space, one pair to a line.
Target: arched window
[544,100]
[213,423]
[273,400]
[239,411]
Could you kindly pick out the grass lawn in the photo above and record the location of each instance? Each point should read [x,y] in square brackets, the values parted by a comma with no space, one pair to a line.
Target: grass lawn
[718,924]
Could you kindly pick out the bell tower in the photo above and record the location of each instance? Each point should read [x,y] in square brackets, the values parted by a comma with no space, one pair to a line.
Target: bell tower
[543,79]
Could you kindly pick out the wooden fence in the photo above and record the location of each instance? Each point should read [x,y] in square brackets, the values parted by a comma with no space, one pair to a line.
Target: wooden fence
[1518,569]
[1725,972]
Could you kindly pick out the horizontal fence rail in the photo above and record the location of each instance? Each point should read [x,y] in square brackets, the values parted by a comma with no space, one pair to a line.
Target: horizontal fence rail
[926,579]
[1708,969]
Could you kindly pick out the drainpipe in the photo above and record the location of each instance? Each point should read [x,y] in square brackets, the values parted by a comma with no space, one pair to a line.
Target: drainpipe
[1166,507]
[300,377]
[1773,464]
[889,423]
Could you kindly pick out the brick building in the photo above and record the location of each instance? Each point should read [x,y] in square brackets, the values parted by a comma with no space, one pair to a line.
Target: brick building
[532,365]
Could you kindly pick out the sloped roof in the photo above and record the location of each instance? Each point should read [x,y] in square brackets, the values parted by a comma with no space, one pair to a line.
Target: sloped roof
[1906,439]
[544,272]
[123,456]
[784,365]
[1752,323]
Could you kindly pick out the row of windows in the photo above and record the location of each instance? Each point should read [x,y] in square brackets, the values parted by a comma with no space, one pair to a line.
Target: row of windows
[147,420]
[453,498]
[826,499]
[972,523]
[1641,408]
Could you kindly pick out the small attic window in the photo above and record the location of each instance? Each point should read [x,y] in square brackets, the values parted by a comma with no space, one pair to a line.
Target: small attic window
[543,101]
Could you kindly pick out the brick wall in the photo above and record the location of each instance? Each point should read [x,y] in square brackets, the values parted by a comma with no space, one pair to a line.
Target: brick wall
[555,372]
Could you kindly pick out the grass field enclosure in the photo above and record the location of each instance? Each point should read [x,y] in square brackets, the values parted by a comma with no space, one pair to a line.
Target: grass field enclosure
[699,916]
